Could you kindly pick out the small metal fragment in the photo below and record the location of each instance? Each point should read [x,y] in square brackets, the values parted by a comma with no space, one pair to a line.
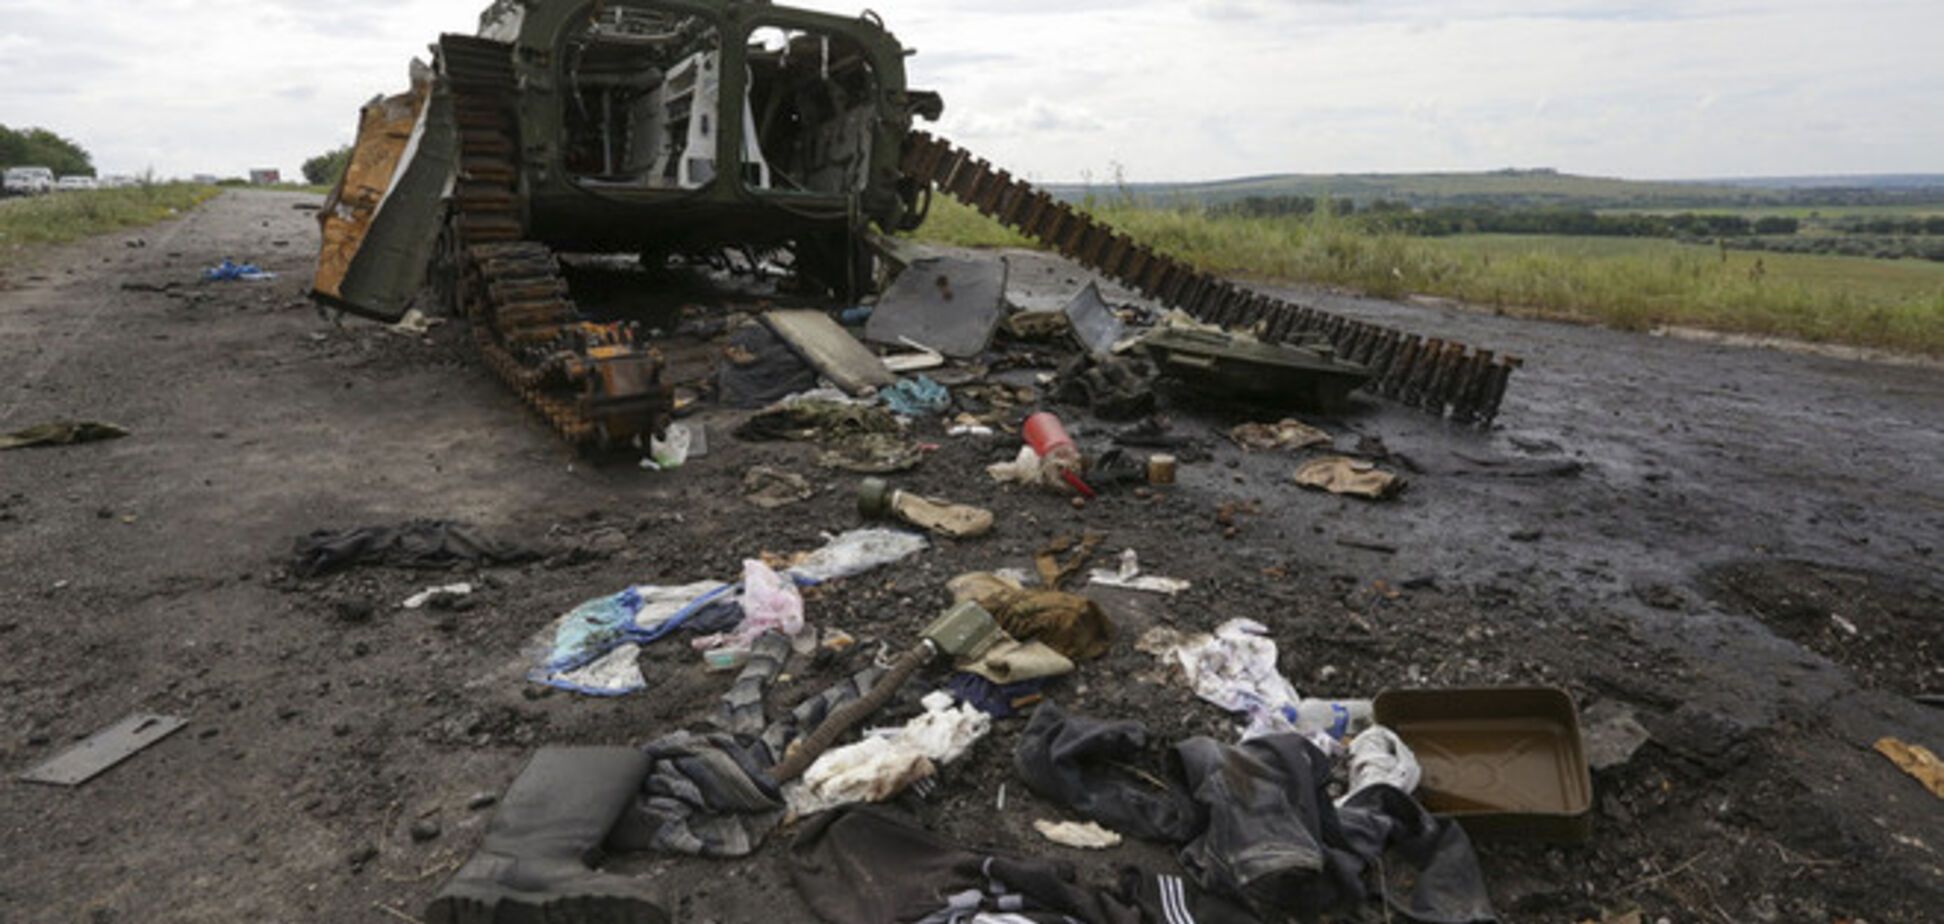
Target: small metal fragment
[104,749]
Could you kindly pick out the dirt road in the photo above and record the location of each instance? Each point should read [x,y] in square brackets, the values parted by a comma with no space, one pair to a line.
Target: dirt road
[1738,546]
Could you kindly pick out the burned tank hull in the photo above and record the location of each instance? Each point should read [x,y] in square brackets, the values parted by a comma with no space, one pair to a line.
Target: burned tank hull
[659,127]
[632,127]
[650,127]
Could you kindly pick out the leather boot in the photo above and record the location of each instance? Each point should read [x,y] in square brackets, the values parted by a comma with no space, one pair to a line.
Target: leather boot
[533,865]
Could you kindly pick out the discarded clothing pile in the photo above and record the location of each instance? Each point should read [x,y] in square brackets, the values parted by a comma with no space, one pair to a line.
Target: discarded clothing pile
[887,761]
[1114,387]
[855,437]
[710,794]
[594,649]
[1043,633]
[870,865]
[421,544]
[759,368]
[1071,624]
[1253,821]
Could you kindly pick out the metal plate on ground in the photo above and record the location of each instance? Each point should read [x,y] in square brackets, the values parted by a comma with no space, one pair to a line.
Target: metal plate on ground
[949,305]
[830,350]
[104,749]
[1094,322]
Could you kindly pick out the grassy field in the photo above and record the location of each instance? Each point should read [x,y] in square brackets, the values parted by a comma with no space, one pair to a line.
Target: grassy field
[1797,211]
[1630,283]
[70,216]
[1530,186]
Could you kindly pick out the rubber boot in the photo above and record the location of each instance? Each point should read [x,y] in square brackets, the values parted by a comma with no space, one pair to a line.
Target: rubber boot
[533,865]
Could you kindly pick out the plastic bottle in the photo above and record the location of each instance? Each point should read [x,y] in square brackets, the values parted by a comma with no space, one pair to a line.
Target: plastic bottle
[1059,459]
[1338,718]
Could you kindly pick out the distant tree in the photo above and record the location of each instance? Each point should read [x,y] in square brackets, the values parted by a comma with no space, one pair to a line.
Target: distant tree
[326,168]
[1776,224]
[38,147]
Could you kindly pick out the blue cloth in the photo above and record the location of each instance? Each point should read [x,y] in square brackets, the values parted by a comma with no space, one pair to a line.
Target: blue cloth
[993,699]
[231,271]
[917,396]
[603,624]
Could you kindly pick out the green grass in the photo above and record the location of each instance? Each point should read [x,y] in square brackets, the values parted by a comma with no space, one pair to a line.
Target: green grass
[1795,211]
[1530,187]
[1629,283]
[70,216]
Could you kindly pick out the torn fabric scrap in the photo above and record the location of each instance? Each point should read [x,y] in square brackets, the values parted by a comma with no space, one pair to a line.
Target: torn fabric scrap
[1085,835]
[887,761]
[1346,476]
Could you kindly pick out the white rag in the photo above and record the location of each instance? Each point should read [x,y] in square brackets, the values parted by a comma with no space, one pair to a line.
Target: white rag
[887,760]
[1377,755]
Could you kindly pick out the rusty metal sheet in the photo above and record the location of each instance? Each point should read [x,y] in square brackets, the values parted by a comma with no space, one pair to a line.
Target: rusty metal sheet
[385,130]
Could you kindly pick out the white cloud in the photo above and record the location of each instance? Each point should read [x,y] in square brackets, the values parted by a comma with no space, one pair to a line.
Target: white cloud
[1057,88]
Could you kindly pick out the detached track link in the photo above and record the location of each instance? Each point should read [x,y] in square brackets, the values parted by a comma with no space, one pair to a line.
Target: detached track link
[522,316]
[1438,376]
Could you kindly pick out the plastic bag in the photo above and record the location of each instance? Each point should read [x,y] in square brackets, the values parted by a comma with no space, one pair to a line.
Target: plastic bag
[856,552]
[917,396]
[1023,469]
[770,603]
[670,451]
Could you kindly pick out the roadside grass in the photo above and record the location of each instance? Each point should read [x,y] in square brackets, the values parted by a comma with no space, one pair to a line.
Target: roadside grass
[69,216]
[1629,283]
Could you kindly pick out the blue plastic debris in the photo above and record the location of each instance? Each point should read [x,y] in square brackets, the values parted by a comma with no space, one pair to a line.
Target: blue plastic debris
[917,396]
[231,271]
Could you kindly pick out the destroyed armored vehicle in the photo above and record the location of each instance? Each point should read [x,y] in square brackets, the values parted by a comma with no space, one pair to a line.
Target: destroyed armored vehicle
[664,128]
[652,128]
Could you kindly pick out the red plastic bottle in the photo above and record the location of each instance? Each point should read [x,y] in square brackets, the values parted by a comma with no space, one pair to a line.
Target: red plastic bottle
[1060,458]
[1046,434]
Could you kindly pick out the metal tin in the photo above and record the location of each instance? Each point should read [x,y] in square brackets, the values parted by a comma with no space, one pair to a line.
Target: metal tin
[1502,761]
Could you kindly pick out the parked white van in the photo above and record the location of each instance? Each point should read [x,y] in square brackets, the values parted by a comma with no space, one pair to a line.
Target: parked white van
[29,181]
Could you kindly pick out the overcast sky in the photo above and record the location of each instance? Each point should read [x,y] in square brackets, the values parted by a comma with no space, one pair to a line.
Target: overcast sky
[1062,89]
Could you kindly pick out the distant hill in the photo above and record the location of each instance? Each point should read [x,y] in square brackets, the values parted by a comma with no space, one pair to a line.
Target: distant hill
[1538,187]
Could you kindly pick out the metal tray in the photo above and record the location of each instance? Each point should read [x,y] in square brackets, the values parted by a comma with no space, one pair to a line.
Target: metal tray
[1502,761]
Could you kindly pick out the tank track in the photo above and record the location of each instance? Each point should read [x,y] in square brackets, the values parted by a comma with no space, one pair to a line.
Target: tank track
[596,384]
[1440,376]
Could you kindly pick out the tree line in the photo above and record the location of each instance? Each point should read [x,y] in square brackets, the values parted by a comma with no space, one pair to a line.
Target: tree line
[1909,227]
[1401,218]
[38,147]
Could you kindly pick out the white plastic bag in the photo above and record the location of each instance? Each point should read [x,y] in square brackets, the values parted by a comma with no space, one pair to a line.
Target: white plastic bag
[770,603]
[856,552]
[671,450]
